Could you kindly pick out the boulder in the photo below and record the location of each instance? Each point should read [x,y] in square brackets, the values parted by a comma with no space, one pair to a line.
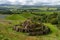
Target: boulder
[32,28]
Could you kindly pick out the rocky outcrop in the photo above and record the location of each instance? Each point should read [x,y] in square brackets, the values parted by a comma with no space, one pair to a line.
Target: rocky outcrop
[32,28]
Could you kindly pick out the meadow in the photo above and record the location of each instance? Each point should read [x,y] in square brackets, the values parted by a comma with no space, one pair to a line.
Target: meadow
[51,19]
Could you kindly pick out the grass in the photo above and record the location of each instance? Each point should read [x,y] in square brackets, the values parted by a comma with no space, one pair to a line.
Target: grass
[52,27]
[27,15]
[15,17]
[6,33]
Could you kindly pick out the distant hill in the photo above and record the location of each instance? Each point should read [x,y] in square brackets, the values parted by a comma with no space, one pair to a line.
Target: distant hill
[28,6]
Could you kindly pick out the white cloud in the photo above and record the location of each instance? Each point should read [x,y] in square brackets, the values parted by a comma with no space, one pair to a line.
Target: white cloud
[12,0]
[32,2]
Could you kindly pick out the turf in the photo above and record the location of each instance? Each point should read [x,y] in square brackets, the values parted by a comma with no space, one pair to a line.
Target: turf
[6,33]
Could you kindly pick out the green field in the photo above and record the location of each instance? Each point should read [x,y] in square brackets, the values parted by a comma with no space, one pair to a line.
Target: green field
[48,18]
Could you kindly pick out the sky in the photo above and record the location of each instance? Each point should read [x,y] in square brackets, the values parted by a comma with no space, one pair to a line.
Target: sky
[31,2]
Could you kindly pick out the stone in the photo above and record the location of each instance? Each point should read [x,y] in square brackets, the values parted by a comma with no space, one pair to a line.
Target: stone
[32,28]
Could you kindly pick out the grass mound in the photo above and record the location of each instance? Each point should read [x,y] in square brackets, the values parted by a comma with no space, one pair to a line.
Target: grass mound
[27,15]
[15,17]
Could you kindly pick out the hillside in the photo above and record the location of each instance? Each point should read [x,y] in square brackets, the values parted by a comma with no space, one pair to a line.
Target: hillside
[49,19]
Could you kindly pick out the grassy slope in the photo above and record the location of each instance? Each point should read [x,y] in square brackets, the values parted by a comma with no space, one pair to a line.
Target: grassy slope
[15,17]
[27,15]
[8,33]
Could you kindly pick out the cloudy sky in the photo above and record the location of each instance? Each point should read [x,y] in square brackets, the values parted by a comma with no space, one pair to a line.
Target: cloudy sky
[31,2]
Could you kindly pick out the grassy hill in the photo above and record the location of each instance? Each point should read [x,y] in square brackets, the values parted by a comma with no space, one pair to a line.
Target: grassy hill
[7,33]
